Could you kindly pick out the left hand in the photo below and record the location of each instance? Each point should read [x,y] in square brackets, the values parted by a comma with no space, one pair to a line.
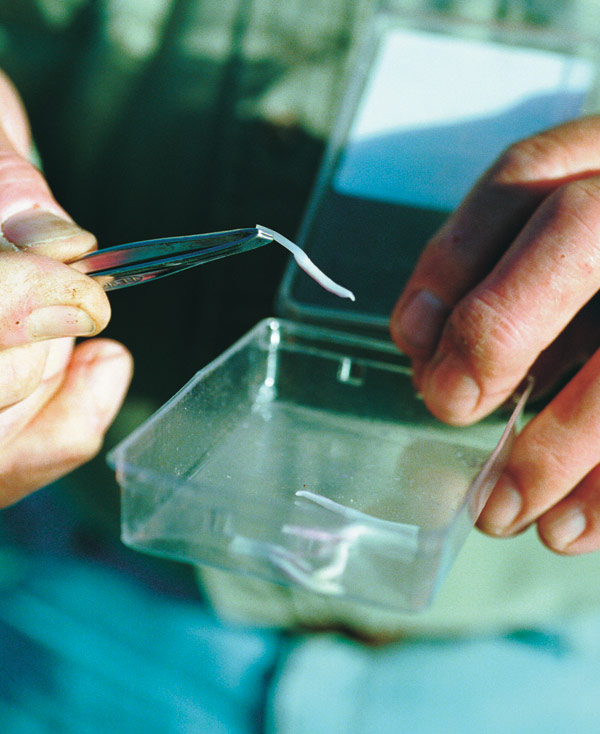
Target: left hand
[56,399]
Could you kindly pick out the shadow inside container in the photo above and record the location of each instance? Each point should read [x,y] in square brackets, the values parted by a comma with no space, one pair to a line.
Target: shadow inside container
[392,192]
[436,166]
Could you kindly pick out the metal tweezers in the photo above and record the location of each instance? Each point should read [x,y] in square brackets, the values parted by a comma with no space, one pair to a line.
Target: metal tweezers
[139,262]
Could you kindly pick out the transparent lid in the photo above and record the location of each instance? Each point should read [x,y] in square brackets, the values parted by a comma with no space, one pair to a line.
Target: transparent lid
[430,105]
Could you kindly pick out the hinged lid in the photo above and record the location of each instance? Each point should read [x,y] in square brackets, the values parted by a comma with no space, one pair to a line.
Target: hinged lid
[429,108]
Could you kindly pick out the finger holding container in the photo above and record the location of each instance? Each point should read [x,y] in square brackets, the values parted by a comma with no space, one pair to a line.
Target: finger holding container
[553,474]
[510,277]
[506,273]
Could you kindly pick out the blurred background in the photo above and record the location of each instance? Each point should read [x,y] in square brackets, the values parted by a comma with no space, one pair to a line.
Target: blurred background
[167,117]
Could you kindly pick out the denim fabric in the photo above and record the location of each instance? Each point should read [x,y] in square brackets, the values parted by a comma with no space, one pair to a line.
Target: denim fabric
[94,644]
[535,683]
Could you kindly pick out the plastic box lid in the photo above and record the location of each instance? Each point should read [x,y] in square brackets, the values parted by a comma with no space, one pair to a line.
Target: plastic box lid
[430,104]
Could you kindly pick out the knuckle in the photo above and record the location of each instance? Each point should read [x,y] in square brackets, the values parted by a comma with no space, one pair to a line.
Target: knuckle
[547,466]
[579,201]
[556,463]
[530,159]
[575,260]
[486,336]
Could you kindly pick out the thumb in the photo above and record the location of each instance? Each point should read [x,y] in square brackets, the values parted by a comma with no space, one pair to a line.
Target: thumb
[43,228]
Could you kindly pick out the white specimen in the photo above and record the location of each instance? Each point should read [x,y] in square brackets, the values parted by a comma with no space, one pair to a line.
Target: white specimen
[307,264]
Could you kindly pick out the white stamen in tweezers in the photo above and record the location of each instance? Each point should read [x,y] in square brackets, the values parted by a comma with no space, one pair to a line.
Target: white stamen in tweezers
[308,265]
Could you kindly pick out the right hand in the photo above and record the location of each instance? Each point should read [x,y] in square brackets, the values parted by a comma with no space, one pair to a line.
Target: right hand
[56,400]
[510,286]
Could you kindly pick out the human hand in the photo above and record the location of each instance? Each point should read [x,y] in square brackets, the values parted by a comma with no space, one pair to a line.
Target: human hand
[508,287]
[56,400]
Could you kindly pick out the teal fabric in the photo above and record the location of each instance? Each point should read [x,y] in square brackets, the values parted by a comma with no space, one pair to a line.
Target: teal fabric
[96,642]
[536,682]
[96,638]
[85,650]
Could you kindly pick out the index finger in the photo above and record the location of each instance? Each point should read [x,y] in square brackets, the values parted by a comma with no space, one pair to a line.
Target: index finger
[467,247]
[496,332]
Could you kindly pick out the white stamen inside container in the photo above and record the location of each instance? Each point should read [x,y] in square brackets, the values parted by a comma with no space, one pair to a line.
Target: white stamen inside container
[308,265]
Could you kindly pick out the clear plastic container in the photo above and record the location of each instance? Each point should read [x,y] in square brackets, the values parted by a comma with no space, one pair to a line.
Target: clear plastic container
[302,455]
[431,102]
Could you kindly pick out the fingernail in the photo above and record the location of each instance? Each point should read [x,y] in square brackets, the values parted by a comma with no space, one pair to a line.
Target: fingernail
[561,532]
[421,321]
[36,226]
[56,321]
[450,391]
[502,508]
